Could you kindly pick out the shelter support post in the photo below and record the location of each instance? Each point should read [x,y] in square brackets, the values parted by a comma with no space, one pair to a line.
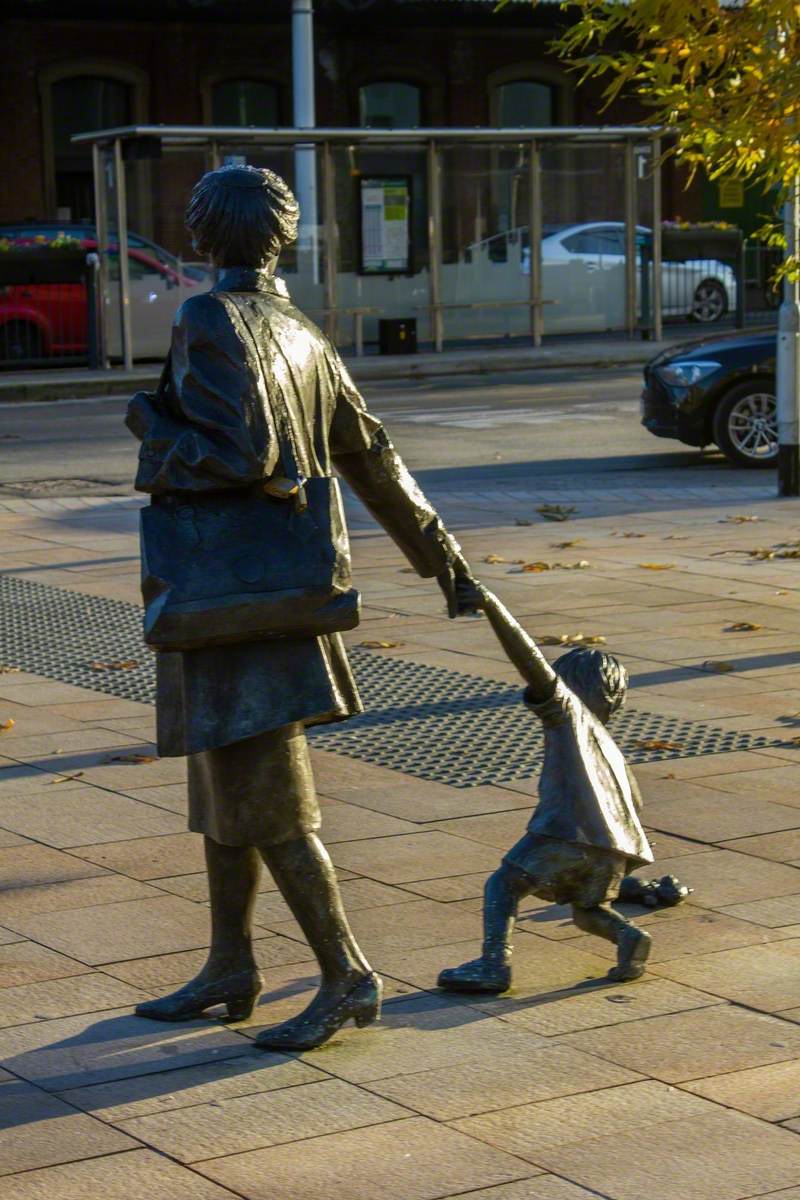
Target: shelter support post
[658,274]
[101,221]
[630,239]
[435,245]
[122,247]
[788,358]
[535,241]
[330,246]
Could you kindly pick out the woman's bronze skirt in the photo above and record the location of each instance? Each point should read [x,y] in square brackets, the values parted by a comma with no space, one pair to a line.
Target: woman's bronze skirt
[255,792]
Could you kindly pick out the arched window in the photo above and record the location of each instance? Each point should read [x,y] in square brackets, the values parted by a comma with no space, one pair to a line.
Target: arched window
[526,102]
[390,106]
[80,103]
[245,102]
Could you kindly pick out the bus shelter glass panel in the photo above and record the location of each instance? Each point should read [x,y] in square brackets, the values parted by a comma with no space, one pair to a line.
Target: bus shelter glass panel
[583,237]
[301,265]
[162,271]
[485,264]
[382,262]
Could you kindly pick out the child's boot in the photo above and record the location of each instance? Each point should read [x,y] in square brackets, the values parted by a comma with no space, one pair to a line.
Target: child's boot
[633,950]
[489,973]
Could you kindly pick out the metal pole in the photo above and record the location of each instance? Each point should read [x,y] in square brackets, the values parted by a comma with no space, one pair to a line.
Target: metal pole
[101,225]
[658,276]
[330,247]
[122,245]
[788,359]
[535,241]
[435,246]
[630,238]
[305,165]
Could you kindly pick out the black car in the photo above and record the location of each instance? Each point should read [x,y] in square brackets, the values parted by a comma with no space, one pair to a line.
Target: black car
[719,391]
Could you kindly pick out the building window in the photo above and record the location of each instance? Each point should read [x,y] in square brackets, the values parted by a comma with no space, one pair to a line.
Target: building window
[81,103]
[526,103]
[390,106]
[245,102]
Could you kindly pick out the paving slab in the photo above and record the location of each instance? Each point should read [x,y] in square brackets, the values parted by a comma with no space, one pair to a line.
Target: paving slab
[23,962]
[64,997]
[72,893]
[517,1074]
[414,1159]
[774,913]
[116,1177]
[104,933]
[66,819]
[691,1045]
[778,847]
[28,864]
[37,1130]
[415,924]
[541,1187]
[715,820]
[272,911]
[771,1093]
[237,1124]
[417,856]
[763,977]
[724,1156]
[256,1071]
[148,858]
[93,1048]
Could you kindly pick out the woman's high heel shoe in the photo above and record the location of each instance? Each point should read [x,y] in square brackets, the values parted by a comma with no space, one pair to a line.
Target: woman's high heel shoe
[238,992]
[323,1018]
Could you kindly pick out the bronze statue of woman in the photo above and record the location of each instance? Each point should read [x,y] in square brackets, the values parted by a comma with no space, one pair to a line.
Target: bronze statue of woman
[239,712]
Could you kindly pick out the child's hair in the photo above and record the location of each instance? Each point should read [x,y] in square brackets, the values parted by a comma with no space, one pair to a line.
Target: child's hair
[598,679]
[241,216]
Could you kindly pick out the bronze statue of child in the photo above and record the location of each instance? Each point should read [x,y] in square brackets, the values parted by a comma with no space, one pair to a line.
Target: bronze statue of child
[585,834]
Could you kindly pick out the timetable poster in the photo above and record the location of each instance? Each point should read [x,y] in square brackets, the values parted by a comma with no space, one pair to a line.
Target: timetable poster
[385,225]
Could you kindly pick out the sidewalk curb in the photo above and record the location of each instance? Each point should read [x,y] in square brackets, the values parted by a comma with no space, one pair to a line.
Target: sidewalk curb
[75,384]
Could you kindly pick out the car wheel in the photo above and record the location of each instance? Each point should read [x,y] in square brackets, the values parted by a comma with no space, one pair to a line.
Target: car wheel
[746,425]
[709,303]
[20,341]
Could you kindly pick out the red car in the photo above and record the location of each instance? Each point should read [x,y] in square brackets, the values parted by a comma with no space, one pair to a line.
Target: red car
[49,320]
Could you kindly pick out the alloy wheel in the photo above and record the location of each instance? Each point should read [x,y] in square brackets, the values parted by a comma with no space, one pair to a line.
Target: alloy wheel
[753,426]
[710,302]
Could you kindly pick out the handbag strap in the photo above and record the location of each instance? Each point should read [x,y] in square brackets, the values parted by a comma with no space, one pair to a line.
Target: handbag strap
[284,429]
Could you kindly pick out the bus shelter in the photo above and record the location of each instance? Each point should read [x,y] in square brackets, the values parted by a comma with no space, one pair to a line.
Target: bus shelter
[469,233]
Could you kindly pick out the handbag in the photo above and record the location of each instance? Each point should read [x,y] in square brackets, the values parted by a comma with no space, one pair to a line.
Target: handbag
[265,561]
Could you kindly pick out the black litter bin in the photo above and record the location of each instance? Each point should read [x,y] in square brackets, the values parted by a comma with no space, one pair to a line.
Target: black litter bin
[398,335]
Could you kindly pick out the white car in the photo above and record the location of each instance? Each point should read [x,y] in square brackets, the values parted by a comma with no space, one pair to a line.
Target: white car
[702,289]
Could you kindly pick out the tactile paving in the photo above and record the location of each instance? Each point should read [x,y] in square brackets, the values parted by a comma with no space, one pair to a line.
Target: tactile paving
[429,722]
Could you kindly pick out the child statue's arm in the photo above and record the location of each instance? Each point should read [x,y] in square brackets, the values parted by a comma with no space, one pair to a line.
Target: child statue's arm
[520,648]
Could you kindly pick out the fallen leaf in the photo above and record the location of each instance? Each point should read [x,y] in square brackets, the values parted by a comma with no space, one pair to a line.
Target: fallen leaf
[719,667]
[66,778]
[407,571]
[133,758]
[657,566]
[494,558]
[676,537]
[522,521]
[379,645]
[572,639]
[6,725]
[633,535]
[780,593]
[4,670]
[536,567]
[658,744]
[566,545]
[760,552]
[556,512]
[123,664]
[739,520]
[743,627]
[788,554]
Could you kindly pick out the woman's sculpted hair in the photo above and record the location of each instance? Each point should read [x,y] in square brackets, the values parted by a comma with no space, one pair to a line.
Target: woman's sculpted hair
[241,216]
